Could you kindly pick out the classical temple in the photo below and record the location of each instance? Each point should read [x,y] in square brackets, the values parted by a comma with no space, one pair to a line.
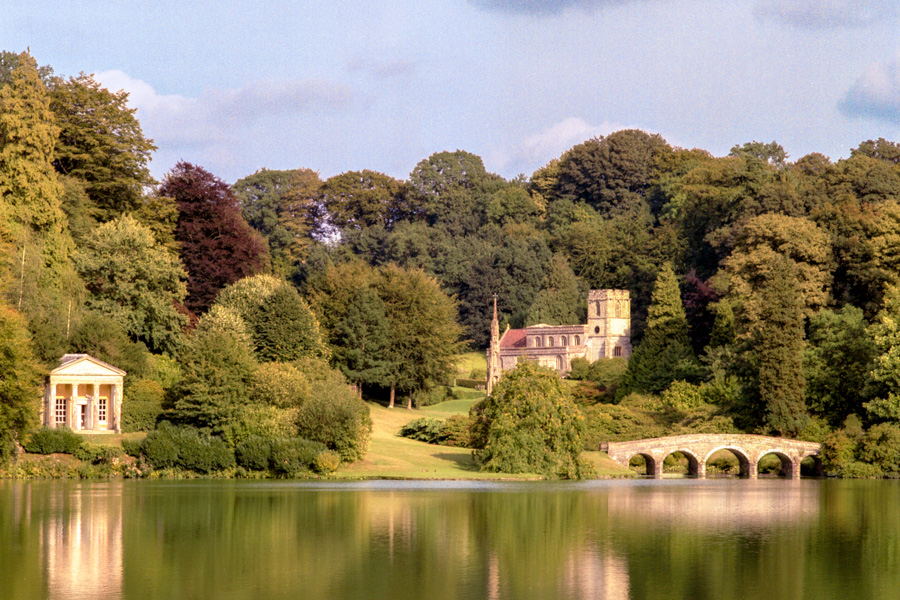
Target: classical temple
[84,394]
[607,334]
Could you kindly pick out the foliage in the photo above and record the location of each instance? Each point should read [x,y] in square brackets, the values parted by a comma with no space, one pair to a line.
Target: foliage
[281,385]
[334,416]
[423,429]
[254,452]
[453,431]
[142,406]
[187,448]
[530,425]
[103,337]
[881,447]
[100,143]
[326,461]
[885,373]
[292,457]
[780,346]
[358,199]
[217,247]
[19,381]
[51,440]
[134,281]
[561,299]
[665,354]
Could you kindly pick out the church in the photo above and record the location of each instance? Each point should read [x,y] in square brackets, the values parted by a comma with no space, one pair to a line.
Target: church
[607,334]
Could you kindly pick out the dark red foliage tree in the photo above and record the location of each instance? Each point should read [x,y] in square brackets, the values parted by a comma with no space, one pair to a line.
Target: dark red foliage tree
[218,247]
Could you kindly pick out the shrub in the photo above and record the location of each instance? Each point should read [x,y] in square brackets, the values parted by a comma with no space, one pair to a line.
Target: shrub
[838,451]
[580,369]
[435,395]
[202,453]
[278,384]
[160,449]
[423,429]
[335,417]
[294,456]
[475,384]
[455,431]
[326,461]
[860,470]
[881,447]
[51,440]
[99,454]
[132,447]
[254,452]
[267,421]
[142,405]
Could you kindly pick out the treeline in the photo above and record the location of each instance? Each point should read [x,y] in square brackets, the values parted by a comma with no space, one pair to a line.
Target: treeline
[765,286]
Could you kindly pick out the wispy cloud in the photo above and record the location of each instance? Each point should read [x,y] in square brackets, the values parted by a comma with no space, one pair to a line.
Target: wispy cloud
[545,7]
[826,14]
[876,94]
[539,148]
[214,122]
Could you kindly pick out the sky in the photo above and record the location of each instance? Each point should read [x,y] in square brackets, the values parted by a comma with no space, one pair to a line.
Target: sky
[342,85]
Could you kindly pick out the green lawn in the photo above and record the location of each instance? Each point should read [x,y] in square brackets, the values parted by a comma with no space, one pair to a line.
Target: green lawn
[471,361]
[391,456]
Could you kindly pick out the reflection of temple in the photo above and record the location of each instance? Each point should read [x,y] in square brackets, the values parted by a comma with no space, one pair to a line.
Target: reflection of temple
[83,545]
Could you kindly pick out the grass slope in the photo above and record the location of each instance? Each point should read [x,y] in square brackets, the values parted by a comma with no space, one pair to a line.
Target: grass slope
[393,457]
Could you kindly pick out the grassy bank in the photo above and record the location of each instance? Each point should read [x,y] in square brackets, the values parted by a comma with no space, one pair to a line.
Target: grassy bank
[391,456]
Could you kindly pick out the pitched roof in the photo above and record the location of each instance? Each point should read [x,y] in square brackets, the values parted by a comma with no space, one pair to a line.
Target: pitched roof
[513,338]
[70,360]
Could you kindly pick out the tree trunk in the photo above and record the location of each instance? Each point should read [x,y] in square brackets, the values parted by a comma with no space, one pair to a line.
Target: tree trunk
[391,405]
[359,390]
[409,401]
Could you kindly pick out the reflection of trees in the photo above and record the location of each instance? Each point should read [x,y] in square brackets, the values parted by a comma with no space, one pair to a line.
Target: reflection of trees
[754,540]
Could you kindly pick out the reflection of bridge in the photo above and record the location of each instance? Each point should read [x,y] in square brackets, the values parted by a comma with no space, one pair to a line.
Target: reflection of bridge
[748,449]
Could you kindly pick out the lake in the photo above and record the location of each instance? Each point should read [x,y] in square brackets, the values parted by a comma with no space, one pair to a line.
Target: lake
[766,539]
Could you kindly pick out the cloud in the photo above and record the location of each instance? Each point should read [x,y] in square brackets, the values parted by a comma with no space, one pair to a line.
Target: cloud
[539,148]
[544,7]
[876,94]
[213,124]
[393,69]
[826,14]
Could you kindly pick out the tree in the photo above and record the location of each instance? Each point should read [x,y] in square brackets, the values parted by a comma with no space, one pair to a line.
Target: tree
[359,199]
[19,381]
[135,281]
[103,337]
[279,321]
[780,345]
[611,174]
[530,425]
[561,299]
[837,363]
[423,333]
[217,246]
[101,144]
[665,354]
[885,373]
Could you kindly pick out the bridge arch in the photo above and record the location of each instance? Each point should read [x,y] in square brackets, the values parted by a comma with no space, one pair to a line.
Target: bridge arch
[747,468]
[694,464]
[653,466]
[790,467]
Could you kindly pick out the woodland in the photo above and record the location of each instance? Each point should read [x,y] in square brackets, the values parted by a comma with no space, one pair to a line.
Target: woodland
[765,291]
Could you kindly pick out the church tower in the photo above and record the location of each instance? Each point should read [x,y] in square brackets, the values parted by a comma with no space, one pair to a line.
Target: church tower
[493,353]
[608,330]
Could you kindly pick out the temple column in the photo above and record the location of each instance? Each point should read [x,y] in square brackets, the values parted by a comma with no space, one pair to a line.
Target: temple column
[48,416]
[71,407]
[114,407]
[94,408]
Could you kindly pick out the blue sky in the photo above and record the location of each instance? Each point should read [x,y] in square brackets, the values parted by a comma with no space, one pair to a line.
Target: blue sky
[335,86]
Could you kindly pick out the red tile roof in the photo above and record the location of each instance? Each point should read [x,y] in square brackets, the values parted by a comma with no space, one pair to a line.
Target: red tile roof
[513,338]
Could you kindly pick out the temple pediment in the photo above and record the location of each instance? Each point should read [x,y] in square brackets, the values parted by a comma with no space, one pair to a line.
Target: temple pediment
[85,365]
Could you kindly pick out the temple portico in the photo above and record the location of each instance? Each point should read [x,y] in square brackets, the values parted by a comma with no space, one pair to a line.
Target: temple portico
[84,394]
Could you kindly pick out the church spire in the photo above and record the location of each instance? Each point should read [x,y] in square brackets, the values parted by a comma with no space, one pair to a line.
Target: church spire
[493,353]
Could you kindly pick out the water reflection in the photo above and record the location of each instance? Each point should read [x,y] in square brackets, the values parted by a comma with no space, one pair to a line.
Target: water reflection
[610,541]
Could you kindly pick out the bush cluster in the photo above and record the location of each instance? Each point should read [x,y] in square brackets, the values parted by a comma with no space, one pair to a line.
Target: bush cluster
[286,456]
[453,431]
[335,417]
[51,440]
[142,406]
[187,448]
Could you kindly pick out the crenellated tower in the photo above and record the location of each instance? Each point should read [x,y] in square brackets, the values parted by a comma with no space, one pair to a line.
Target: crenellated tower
[608,329]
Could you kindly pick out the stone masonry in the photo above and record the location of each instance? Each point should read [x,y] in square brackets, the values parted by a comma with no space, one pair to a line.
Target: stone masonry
[698,448]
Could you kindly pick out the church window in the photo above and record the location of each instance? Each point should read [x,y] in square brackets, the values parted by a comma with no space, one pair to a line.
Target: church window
[597,329]
[563,341]
[617,351]
[577,341]
[550,344]
[537,342]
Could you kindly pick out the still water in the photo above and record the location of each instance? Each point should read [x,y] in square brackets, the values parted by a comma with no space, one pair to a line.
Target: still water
[718,539]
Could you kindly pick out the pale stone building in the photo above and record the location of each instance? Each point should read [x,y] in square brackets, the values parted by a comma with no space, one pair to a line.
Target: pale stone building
[607,334]
[84,394]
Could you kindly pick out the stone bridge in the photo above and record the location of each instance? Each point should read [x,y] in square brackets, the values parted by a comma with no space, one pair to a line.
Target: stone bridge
[748,449]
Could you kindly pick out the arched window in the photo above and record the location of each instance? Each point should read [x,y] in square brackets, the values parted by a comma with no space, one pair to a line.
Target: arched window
[577,341]
[550,342]
[537,341]
[563,341]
